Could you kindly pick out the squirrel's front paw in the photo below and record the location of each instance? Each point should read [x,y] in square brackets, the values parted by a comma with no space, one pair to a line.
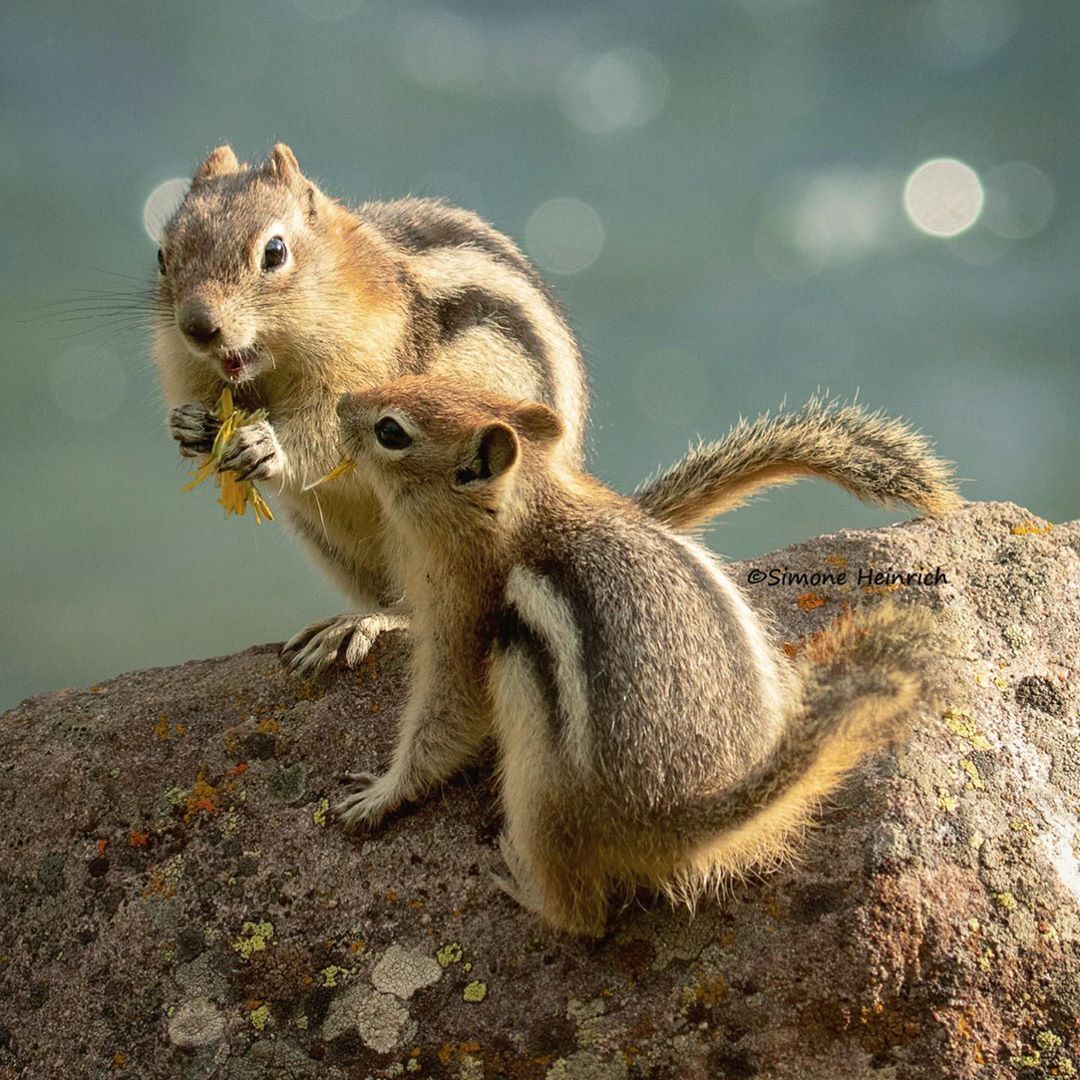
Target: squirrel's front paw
[254,453]
[372,798]
[194,427]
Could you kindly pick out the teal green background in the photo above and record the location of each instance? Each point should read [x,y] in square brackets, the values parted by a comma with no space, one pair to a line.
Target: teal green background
[701,305]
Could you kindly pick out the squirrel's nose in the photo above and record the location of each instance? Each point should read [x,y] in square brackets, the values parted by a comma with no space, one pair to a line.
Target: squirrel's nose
[197,322]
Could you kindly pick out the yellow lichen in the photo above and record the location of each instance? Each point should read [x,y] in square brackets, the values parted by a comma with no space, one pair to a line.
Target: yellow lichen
[975,780]
[235,494]
[1006,900]
[450,953]
[963,724]
[475,991]
[253,938]
[946,801]
[321,814]
[331,975]
[259,1017]
[1047,1040]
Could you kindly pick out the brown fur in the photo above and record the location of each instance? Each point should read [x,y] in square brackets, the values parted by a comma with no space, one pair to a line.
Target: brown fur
[649,732]
[878,459]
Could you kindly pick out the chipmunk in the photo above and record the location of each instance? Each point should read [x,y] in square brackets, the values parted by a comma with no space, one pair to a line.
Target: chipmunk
[288,297]
[648,731]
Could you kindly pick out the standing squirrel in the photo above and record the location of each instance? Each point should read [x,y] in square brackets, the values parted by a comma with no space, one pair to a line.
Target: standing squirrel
[288,297]
[649,732]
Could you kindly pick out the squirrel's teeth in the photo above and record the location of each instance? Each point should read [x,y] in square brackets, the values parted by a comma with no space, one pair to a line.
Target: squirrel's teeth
[234,363]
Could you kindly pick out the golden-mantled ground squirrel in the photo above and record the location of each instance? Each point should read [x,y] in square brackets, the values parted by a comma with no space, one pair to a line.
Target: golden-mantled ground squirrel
[649,731]
[270,287]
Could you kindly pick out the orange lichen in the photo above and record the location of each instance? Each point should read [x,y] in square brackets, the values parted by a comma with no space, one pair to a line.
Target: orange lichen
[203,798]
[807,601]
[1031,528]
[449,1051]
[138,839]
[881,590]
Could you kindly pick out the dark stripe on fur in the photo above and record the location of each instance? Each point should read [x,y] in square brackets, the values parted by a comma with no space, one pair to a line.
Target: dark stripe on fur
[473,307]
[426,224]
[515,633]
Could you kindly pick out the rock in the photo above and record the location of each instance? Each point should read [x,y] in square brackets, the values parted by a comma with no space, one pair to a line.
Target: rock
[403,972]
[176,904]
[198,1022]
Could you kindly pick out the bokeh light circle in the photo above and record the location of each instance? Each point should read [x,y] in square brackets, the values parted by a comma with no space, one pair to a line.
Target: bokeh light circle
[564,235]
[943,197]
[614,89]
[161,204]
[1019,200]
[88,383]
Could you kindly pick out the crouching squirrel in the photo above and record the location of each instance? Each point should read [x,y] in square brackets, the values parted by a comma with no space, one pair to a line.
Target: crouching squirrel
[290,298]
[648,730]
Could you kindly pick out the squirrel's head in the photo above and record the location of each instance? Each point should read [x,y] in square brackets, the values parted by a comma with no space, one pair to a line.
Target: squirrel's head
[248,266]
[439,455]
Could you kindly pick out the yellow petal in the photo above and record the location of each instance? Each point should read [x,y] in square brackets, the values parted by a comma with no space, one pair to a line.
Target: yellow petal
[258,504]
[225,407]
[340,469]
[224,434]
[206,469]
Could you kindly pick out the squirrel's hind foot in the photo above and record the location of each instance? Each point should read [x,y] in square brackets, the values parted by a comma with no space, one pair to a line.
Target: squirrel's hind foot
[348,636]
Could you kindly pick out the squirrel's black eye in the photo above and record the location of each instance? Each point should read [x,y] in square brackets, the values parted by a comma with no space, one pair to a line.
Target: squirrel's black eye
[391,434]
[275,253]
[161,260]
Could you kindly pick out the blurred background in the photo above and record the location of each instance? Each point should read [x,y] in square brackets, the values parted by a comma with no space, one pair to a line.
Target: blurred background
[739,202]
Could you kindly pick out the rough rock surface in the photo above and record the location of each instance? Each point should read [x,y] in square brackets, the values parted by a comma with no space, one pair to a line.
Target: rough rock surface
[174,903]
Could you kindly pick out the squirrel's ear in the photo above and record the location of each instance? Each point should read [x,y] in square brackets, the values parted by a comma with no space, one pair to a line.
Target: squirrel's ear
[494,453]
[218,162]
[538,422]
[283,166]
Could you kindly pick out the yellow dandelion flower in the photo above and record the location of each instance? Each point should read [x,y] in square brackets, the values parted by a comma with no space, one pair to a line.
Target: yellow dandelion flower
[234,494]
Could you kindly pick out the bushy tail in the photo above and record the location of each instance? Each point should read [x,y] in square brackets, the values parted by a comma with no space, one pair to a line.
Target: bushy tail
[877,458]
[863,678]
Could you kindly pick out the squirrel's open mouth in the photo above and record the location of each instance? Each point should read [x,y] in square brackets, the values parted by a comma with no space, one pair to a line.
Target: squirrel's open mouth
[235,362]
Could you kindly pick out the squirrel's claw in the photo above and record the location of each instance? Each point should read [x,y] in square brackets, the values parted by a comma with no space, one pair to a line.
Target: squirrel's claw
[194,427]
[254,453]
[349,636]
